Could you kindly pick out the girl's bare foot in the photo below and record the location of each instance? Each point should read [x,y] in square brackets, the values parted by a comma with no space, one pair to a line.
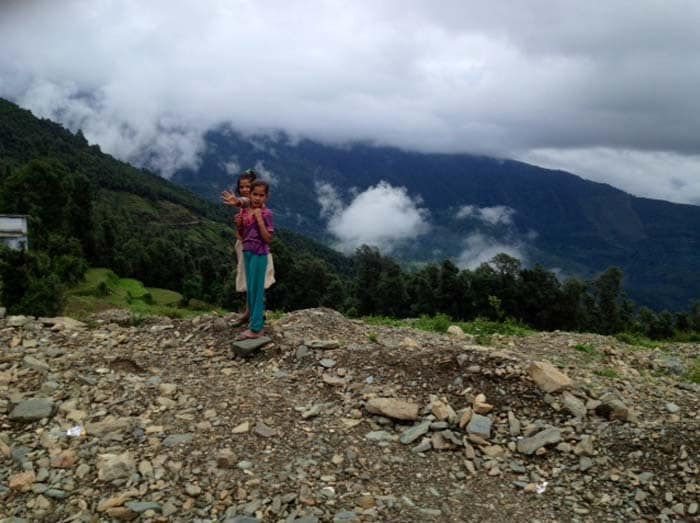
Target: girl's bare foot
[248,335]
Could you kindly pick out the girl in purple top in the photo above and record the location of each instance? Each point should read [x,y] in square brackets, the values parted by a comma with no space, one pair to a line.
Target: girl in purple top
[256,227]
[243,202]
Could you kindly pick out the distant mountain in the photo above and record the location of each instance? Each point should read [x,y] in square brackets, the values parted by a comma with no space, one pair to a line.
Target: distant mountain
[548,217]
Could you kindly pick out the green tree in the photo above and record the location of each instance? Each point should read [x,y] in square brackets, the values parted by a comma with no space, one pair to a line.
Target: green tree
[609,297]
[391,293]
[369,263]
[422,287]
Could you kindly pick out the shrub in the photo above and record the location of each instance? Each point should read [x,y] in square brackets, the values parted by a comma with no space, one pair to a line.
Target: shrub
[633,339]
[438,323]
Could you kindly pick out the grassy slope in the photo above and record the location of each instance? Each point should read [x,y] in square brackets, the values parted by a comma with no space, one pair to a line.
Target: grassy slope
[123,293]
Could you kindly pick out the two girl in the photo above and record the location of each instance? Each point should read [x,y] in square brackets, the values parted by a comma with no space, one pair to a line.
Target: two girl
[254,230]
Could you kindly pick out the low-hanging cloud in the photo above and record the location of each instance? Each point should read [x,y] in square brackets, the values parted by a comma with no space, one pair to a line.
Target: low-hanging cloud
[265,174]
[479,248]
[494,233]
[666,176]
[496,215]
[331,204]
[232,167]
[382,216]
[145,80]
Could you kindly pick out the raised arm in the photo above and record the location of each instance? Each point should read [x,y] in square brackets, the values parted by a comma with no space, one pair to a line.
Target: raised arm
[230,199]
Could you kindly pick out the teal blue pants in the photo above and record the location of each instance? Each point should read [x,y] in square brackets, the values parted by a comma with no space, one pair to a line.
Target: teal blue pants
[255,269]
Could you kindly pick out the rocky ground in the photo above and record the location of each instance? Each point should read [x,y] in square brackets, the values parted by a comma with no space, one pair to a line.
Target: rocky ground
[335,420]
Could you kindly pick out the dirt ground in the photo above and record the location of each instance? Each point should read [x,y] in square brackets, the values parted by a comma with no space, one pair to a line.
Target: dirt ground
[285,435]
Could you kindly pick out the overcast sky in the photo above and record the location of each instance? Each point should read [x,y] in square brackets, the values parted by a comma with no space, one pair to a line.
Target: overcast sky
[607,90]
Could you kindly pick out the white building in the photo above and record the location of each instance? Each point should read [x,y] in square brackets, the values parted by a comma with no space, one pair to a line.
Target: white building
[13,231]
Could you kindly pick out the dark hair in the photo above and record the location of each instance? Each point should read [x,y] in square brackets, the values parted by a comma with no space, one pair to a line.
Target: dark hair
[247,175]
[260,183]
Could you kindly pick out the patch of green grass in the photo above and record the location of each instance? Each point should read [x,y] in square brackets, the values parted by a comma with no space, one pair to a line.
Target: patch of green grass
[586,347]
[102,289]
[437,323]
[372,336]
[483,339]
[588,351]
[686,337]
[274,315]
[165,296]
[441,322]
[693,374]
[607,372]
[385,321]
[636,340]
[481,326]
[96,282]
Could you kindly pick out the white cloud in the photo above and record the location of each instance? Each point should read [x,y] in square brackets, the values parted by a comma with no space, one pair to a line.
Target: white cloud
[496,215]
[667,176]
[479,249]
[145,80]
[382,216]
[328,199]
[265,174]
[163,142]
[232,167]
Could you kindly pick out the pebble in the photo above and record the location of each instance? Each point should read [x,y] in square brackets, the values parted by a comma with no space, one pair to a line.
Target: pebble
[327,363]
[143,506]
[115,466]
[33,363]
[241,428]
[178,439]
[379,435]
[263,430]
[193,490]
[480,426]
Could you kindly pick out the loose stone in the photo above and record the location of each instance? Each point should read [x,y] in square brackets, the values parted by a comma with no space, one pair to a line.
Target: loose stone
[480,426]
[33,410]
[547,377]
[415,432]
[393,408]
[539,440]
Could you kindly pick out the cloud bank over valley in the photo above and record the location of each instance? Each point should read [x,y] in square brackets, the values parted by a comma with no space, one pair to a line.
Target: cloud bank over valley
[382,216]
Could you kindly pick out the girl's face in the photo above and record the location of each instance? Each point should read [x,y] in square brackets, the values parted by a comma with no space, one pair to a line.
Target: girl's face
[244,187]
[258,197]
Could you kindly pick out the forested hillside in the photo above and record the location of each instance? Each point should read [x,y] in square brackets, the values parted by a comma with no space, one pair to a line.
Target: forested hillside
[86,208]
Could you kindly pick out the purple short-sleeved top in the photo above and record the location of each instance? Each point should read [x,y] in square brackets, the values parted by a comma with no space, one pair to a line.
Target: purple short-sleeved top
[252,241]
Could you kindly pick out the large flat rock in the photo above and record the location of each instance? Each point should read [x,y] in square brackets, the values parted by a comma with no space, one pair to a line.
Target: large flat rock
[246,348]
[32,410]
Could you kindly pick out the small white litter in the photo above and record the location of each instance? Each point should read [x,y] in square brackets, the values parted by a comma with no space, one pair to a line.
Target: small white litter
[75,432]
